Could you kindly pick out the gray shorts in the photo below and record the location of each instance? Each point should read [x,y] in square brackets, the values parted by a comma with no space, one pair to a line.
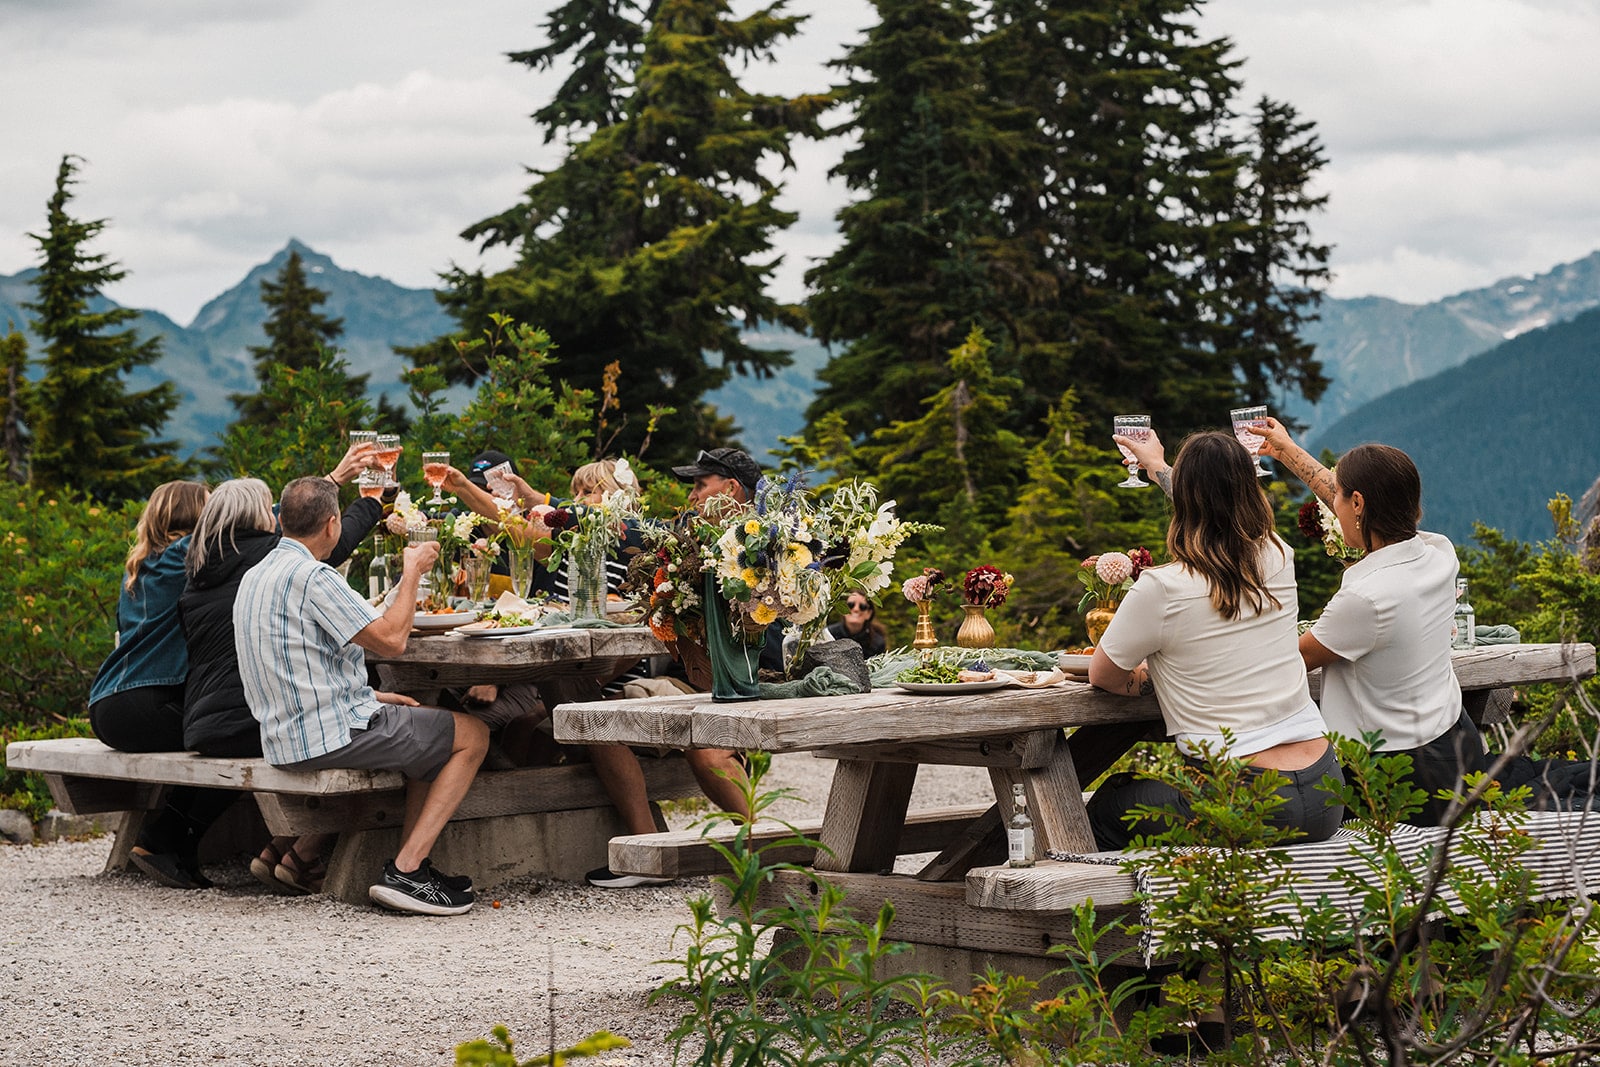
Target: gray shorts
[414,741]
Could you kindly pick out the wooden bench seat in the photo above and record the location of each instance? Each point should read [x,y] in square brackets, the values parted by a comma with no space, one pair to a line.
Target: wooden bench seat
[545,821]
[689,853]
[1048,886]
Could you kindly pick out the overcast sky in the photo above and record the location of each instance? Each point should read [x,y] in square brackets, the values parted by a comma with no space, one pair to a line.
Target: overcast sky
[1463,135]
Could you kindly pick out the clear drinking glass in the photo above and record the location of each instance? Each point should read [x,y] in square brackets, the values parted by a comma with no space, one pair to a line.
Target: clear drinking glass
[1138,428]
[387,455]
[435,468]
[1245,422]
[370,482]
[363,437]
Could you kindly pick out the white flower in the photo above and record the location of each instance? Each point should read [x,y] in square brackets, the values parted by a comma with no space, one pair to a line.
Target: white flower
[464,525]
[625,476]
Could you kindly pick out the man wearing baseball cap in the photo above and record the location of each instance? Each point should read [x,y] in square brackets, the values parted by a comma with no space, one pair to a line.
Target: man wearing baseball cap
[720,472]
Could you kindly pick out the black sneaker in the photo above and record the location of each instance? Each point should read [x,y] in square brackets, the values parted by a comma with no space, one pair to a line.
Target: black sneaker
[421,892]
[168,869]
[606,878]
[461,883]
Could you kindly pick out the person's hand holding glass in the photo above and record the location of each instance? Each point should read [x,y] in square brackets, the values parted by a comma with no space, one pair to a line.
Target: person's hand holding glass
[435,468]
[1136,428]
[387,455]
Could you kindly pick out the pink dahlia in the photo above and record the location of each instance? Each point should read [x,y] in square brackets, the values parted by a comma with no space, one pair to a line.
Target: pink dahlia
[1114,568]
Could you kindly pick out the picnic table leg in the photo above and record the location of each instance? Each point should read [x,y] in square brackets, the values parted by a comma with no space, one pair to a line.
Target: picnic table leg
[866,811]
[1055,800]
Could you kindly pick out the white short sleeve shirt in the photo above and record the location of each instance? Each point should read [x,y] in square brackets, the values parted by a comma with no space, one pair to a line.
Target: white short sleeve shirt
[303,678]
[1244,674]
[1389,624]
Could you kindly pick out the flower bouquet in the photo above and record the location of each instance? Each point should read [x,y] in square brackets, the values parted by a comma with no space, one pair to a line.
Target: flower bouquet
[584,536]
[1107,578]
[921,590]
[985,587]
[1320,525]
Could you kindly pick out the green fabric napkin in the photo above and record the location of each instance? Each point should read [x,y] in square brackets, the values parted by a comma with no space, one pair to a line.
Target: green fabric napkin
[1497,635]
[821,682]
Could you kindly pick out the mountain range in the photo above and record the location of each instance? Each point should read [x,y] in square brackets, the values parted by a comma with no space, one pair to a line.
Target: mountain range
[1445,380]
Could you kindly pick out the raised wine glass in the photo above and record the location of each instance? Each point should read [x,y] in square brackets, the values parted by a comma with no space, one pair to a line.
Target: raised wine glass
[1245,422]
[370,482]
[1138,428]
[435,468]
[387,455]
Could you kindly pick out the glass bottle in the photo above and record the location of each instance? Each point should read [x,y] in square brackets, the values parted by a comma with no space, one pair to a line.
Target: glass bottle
[377,573]
[1019,833]
[1463,626]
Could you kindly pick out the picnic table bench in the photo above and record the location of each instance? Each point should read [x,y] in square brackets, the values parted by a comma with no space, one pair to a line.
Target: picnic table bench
[545,821]
[551,821]
[962,910]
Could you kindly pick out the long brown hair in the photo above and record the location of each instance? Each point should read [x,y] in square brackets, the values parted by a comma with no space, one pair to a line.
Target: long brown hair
[173,510]
[1220,517]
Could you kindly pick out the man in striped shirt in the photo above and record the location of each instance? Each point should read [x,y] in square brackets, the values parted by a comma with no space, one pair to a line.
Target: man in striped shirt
[301,631]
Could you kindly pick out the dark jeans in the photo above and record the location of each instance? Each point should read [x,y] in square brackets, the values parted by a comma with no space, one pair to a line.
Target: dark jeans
[1309,808]
[150,719]
[1441,764]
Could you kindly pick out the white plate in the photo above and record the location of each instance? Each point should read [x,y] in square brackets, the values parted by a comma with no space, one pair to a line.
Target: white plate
[1074,662]
[447,620]
[496,631]
[953,687]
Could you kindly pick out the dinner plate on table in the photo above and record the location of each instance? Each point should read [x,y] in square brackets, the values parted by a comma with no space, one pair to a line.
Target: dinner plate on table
[496,631]
[442,620]
[939,688]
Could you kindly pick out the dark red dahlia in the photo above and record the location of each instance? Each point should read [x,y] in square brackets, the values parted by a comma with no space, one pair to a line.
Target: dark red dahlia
[1310,521]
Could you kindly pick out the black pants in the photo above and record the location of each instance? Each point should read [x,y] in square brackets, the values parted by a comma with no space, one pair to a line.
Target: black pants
[1308,808]
[1441,764]
[150,719]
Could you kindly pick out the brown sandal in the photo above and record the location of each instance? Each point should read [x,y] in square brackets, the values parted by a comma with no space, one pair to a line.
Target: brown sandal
[263,866]
[299,875]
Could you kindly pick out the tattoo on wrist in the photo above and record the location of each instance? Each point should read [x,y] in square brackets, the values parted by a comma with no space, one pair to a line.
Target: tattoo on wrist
[1146,688]
[1164,480]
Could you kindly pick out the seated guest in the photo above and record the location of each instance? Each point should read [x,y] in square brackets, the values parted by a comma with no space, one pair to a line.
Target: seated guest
[300,631]
[1214,633]
[136,700]
[236,531]
[860,624]
[1383,641]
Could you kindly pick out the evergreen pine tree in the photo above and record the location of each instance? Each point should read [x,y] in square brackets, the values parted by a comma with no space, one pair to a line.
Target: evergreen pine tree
[316,405]
[297,334]
[910,278]
[650,244]
[13,379]
[90,432]
[1122,238]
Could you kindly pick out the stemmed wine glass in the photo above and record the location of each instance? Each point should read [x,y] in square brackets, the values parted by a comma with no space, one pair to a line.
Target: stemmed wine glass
[1138,428]
[1245,422]
[435,468]
[387,455]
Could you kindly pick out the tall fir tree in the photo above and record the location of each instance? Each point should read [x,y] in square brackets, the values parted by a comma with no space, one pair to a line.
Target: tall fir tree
[911,275]
[14,382]
[1121,237]
[650,244]
[91,432]
[297,333]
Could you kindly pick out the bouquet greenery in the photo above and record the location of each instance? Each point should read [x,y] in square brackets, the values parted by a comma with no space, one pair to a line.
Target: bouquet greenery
[1106,578]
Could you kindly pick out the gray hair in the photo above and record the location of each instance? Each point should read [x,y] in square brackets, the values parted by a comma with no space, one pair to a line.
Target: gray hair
[236,504]
[306,505]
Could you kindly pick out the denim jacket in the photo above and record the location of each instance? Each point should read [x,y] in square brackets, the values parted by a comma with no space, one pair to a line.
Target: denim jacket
[150,648]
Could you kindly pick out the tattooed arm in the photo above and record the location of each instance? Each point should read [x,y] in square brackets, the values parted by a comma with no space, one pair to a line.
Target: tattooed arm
[1280,446]
[1103,674]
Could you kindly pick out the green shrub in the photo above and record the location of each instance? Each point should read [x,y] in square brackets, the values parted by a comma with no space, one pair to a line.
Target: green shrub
[58,605]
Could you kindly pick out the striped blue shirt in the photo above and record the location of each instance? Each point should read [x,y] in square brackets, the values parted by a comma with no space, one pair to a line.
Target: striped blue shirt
[303,679]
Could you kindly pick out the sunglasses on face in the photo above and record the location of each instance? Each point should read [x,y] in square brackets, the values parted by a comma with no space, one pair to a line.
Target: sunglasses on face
[856,605]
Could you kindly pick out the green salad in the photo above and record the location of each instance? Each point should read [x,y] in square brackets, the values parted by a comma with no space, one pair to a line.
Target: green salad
[937,673]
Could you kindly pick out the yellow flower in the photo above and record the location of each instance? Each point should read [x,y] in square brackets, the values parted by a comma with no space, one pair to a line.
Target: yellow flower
[748,577]
[800,554]
[764,613]
[752,526]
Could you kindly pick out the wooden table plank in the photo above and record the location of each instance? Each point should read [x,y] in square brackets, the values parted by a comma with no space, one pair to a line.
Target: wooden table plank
[434,660]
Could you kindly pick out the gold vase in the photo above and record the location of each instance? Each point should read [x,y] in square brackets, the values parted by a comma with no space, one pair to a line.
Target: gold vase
[924,639]
[1097,619]
[975,630]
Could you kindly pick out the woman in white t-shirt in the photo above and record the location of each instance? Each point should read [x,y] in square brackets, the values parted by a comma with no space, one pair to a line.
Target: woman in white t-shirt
[1213,635]
[1383,641]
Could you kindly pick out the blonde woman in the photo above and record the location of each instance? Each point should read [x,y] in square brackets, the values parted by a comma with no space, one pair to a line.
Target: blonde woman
[1213,633]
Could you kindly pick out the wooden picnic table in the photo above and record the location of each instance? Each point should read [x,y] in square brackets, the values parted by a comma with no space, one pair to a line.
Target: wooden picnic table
[433,661]
[1021,735]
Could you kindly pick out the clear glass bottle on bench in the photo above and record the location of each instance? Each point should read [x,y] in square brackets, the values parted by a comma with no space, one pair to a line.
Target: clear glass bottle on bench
[1019,833]
[1464,626]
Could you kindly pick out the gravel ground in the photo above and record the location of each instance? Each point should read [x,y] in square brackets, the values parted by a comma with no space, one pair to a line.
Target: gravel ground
[113,969]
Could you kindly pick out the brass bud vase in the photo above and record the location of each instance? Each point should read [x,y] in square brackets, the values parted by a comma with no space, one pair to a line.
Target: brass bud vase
[975,630]
[924,639]
[1097,619]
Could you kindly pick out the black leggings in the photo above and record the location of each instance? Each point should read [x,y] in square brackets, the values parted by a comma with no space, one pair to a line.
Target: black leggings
[1441,764]
[150,719]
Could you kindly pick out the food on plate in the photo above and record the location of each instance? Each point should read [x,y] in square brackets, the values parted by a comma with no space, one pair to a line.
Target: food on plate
[498,620]
[975,676]
[930,673]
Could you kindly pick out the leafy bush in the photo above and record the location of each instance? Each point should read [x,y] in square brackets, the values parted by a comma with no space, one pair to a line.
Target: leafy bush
[58,605]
